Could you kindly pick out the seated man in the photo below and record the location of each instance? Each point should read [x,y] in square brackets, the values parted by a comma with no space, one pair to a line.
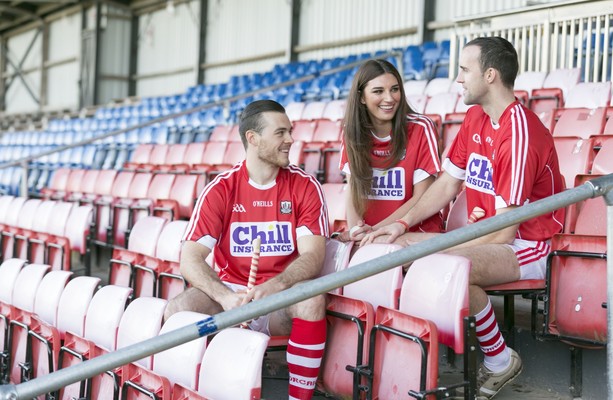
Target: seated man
[506,158]
[262,196]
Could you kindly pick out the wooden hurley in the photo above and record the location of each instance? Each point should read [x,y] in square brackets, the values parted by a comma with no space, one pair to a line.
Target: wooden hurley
[253,271]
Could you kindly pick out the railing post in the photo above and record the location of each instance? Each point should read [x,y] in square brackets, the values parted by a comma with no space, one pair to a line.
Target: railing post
[608,198]
[23,187]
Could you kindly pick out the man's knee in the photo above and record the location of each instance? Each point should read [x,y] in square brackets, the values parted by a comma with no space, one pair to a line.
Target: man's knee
[311,309]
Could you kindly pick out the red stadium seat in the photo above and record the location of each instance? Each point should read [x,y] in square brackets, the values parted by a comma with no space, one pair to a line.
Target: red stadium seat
[170,281]
[603,162]
[575,157]
[580,122]
[221,133]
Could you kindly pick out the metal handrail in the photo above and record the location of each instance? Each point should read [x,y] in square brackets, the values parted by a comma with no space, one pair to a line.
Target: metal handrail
[601,186]
[23,162]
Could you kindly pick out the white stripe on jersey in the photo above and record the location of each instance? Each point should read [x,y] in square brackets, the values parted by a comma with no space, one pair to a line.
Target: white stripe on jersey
[193,221]
[430,130]
[323,213]
[519,152]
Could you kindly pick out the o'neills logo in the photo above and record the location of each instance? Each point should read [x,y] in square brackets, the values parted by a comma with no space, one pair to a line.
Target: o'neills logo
[276,237]
[479,174]
[387,184]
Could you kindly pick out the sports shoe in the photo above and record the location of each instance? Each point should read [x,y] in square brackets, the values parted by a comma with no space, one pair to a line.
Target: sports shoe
[490,383]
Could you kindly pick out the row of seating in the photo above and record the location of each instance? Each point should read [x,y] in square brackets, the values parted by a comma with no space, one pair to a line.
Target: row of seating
[45,231]
[50,322]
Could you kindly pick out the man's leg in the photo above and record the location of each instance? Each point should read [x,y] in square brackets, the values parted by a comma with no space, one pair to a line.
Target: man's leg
[491,264]
[305,323]
[192,299]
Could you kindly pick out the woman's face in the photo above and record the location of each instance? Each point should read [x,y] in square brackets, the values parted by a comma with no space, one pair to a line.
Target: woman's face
[381,96]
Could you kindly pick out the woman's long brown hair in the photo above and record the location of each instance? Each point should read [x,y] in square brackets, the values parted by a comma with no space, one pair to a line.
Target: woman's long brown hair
[358,126]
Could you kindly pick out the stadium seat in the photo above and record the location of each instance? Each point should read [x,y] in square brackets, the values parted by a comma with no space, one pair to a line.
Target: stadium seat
[120,189]
[439,105]
[10,227]
[382,289]
[303,130]
[144,241]
[413,337]
[221,133]
[240,379]
[450,127]
[418,102]
[335,110]
[575,157]
[170,281]
[294,110]
[87,186]
[58,182]
[24,294]
[159,189]
[335,200]
[101,324]
[415,87]
[313,111]
[57,248]
[9,271]
[589,95]
[435,288]
[526,82]
[603,162]
[139,381]
[141,155]
[553,94]
[23,231]
[580,122]
[349,322]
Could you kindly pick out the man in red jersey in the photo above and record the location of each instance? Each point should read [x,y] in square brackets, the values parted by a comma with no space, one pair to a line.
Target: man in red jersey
[506,158]
[261,197]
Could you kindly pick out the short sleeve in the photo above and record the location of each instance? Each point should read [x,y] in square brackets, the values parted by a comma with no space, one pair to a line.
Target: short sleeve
[427,160]
[455,162]
[206,223]
[313,212]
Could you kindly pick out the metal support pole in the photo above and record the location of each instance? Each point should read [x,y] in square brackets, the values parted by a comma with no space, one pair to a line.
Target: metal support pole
[608,198]
[277,301]
[23,186]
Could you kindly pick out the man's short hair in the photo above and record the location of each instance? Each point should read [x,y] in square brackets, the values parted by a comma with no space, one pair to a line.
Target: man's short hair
[498,53]
[251,117]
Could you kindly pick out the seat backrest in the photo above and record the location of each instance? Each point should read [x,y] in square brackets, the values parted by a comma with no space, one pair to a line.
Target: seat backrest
[139,185]
[26,285]
[313,110]
[104,314]
[575,156]
[169,242]
[418,102]
[185,191]
[48,295]
[90,181]
[441,104]
[5,203]
[188,355]
[141,154]
[303,130]
[9,271]
[142,320]
[74,180]
[160,186]
[382,289]
[176,154]
[25,219]
[73,305]
[220,133]
[336,259]
[15,209]
[591,219]
[335,110]
[335,200]
[42,215]
[458,213]
[121,184]
[580,122]
[159,154]
[78,227]
[235,152]
[327,131]
[145,234]
[530,80]
[106,181]
[59,179]
[436,288]
[603,162]
[294,110]
[214,152]
[589,95]
[194,153]
[56,225]
[563,78]
[232,365]
[437,85]
[412,87]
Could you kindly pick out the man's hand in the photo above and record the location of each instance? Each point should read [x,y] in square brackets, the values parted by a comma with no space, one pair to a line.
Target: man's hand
[260,291]
[232,300]
[359,231]
[387,234]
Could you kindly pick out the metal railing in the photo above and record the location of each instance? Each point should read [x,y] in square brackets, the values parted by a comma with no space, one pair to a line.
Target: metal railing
[601,186]
[24,162]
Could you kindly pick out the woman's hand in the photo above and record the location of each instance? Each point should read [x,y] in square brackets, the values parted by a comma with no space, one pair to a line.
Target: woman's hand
[387,234]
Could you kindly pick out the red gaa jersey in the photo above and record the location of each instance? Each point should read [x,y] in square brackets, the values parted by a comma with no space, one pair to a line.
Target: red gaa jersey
[232,211]
[511,163]
[392,187]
